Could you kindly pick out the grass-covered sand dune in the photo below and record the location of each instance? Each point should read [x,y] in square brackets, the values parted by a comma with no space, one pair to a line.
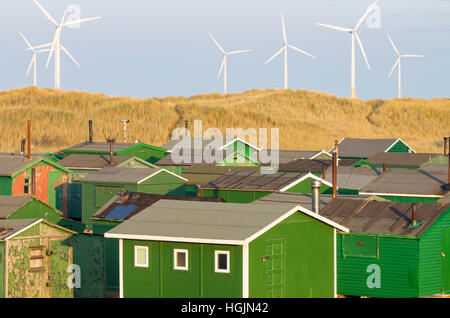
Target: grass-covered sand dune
[307,120]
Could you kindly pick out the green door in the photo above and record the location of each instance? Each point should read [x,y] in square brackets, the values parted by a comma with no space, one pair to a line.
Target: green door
[446,259]
[274,268]
[60,256]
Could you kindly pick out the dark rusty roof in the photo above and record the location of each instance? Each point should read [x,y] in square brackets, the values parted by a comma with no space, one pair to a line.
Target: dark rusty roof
[247,180]
[407,181]
[202,174]
[139,202]
[402,159]
[80,161]
[353,177]
[10,204]
[363,148]
[311,165]
[377,217]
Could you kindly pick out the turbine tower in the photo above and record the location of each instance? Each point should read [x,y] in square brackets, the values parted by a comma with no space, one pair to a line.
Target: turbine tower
[34,58]
[398,63]
[285,48]
[354,35]
[56,44]
[223,67]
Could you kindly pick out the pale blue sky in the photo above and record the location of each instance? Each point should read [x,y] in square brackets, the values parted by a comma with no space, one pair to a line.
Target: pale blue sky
[161,47]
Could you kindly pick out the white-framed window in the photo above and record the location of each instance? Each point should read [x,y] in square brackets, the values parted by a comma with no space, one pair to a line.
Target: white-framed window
[181,259]
[140,256]
[222,261]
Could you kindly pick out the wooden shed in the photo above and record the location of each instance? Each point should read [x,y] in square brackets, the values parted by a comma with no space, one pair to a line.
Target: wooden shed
[40,177]
[393,249]
[359,148]
[120,208]
[141,150]
[99,187]
[83,165]
[247,186]
[202,249]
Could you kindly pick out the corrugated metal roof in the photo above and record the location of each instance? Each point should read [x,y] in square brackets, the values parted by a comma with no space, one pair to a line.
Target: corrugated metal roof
[392,218]
[79,161]
[121,175]
[136,202]
[247,180]
[202,174]
[312,165]
[11,227]
[363,148]
[406,181]
[402,158]
[10,204]
[353,177]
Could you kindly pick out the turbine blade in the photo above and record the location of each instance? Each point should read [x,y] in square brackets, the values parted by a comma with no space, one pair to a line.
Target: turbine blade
[80,21]
[393,45]
[275,55]
[26,41]
[335,27]
[33,60]
[51,50]
[45,12]
[284,28]
[301,51]
[222,66]
[70,55]
[217,44]
[369,9]
[393,68]
[410,55]
[362,50]
[63,18]
[237,52]
[40,46]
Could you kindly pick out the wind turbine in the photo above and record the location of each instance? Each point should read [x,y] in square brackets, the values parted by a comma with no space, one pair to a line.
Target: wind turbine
[223,67]
[56,44]
[34,58]
[285,48]
[398,62]
[354,36]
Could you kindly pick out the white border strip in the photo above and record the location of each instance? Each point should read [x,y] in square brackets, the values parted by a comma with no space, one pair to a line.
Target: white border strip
[398,139]
[403,195]
[243,141]
[159,171]
[24,229]
[121,268]
[245,271]
[172,239]
[308,175]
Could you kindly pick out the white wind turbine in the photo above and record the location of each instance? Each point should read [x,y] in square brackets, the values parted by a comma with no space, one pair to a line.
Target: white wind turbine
[56,44]
[354,36]
[285,49]
[398,63]
[223,67]
[34,58]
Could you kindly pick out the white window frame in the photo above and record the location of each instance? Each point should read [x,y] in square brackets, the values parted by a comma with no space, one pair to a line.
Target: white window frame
[216,262]
[136,248]
[175,265]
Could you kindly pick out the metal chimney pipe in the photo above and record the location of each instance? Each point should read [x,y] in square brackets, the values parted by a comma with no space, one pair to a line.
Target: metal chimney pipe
[199,191]
[22,146]
[111,153]
[125,122]
[384,167]
[336,147]
[414,214]
[29,139]
[445,146]
[334,175]
[91,133]
[315,191]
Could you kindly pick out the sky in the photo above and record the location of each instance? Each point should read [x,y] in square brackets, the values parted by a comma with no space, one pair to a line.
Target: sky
[162,48]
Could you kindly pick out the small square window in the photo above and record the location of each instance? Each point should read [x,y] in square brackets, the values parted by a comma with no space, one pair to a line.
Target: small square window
[222,261]
[181,259]
[141,256]
[36,258]
[27,186]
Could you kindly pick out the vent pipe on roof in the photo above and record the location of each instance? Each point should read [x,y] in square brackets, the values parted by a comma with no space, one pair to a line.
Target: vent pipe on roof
[199,191]
[315,191]
[336,147]
[91,133]
[334,175]
[414,214]
[124,123]
[29,139]
[384,167]
[22,146]
[445,146]
[111,152]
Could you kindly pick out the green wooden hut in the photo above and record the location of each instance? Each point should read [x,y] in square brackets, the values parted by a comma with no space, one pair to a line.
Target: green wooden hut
[359,148]
[389,252]
[39,177]
[202,249]
[99,187]
[83,165]
[141,150]
[248,186]
[121,207]
[406,185]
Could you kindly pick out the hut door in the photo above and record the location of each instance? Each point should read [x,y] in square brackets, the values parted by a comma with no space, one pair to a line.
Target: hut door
[60,256]
[274,268]
[446,259]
